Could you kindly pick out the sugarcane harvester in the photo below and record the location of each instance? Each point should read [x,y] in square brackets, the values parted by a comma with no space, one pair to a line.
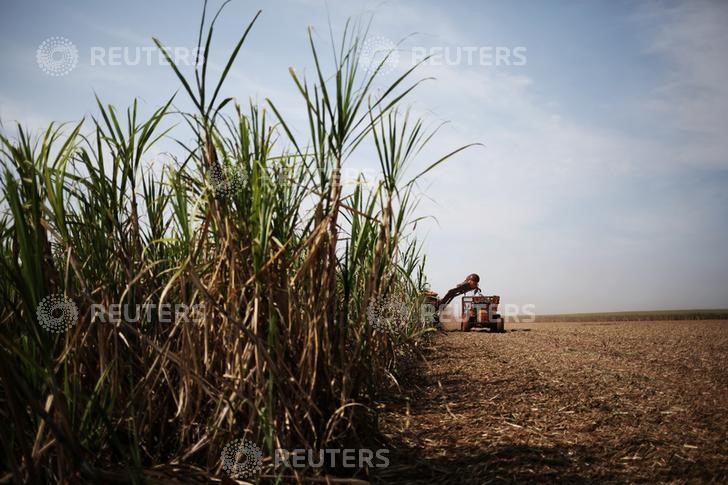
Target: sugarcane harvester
[477,310]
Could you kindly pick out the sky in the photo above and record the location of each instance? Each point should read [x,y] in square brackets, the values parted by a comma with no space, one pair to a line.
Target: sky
[602,180]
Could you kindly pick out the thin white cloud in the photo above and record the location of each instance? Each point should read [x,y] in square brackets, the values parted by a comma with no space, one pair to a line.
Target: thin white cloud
[692,100]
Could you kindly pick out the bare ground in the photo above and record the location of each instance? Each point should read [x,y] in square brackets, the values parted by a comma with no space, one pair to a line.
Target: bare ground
[615,402]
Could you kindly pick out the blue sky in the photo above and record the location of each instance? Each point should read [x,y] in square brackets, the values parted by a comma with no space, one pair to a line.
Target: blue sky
[602,182]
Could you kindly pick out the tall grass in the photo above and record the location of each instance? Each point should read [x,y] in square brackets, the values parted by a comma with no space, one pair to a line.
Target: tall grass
[284,267]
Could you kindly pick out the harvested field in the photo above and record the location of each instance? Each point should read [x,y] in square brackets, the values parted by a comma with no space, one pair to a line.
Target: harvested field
[577,402]
[716,314]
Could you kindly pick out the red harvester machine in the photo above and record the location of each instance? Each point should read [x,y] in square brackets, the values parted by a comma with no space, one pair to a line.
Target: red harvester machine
[478,311]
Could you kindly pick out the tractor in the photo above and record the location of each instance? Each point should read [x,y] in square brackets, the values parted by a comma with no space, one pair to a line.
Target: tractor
[477,310]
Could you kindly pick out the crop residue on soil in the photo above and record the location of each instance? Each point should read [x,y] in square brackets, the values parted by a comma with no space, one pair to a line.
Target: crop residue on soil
[572,401]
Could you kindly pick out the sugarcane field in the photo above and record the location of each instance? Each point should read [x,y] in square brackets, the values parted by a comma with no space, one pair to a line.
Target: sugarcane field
[363,242]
